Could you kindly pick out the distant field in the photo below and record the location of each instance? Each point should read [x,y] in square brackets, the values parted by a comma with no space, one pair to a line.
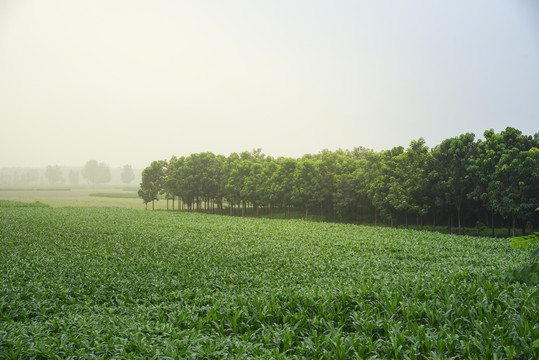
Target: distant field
[125,283]
[116,195]
[110,196]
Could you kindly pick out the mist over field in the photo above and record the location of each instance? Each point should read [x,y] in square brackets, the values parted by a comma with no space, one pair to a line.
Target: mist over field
[128,82]
[269,179]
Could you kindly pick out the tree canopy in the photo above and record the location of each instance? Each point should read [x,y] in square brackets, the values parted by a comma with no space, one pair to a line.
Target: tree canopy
[464,179]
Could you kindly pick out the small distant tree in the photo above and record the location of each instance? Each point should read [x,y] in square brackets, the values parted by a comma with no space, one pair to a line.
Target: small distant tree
[73,177]
[127,175]
[103,176]
[90,171]
[96,173]
[54,174]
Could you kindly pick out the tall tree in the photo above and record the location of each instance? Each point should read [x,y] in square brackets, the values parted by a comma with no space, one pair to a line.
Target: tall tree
[283,182]
[152,183]
[512,190]
[305,184]
[454,157]
[383,189]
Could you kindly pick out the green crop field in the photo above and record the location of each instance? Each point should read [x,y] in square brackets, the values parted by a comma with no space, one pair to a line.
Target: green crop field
[128,283]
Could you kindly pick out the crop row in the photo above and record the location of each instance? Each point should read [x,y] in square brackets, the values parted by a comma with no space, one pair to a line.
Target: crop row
[103,283]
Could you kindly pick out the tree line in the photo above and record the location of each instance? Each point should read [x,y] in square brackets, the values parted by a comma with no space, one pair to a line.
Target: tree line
[94,172]
[464,181]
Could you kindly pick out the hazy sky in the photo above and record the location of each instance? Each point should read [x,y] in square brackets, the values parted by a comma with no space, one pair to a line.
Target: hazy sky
[126,81]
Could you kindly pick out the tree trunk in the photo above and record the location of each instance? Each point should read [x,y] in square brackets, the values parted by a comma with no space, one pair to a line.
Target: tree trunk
[271,211]
[458,220]
[417,221]
[492,223]
[514,220]
[449,222]
[167,204]
[174,197]
[421,220]
[244,208]
[478,224]
[406,217]
[306,212]
[434,220]
[153,204]
[375,217]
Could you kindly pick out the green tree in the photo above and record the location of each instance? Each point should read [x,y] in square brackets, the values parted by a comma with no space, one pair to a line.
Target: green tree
[305,184]
[152,184]
[515,182]
[172,181]
[283,183]
[416,176]
[236,188]
[383,189]
[453,159]
[269,198]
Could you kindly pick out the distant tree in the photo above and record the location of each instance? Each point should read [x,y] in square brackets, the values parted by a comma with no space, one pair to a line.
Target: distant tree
[73,177]
[53,173]
[103,173]
[90,171]
[127,175]
[96,173]
[29,177]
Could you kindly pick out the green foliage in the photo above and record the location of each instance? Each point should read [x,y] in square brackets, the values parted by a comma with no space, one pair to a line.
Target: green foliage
[122,283]
[497,178]
[528,273]
[153,180]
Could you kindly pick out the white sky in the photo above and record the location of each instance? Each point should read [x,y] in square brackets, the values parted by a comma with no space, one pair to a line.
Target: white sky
[126,81]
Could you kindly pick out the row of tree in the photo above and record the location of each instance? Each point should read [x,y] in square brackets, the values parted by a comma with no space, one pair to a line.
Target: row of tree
[487,180]
[93,172]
